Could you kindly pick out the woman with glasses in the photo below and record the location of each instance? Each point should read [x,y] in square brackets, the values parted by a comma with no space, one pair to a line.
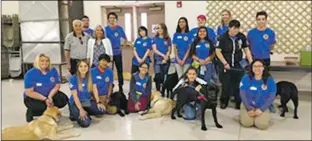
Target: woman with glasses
[141,49]
[162,50]
[140,89]
[97,46]
[75,46]
[42,88]
[257,91]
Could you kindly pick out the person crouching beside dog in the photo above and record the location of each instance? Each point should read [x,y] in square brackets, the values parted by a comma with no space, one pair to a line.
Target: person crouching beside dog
[140,89]
[42,84]
[190,79]
[257,91]
[102,78]
[202,52]
[81,104]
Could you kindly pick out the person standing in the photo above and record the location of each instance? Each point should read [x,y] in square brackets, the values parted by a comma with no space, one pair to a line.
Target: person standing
[261,39]
[229,51]
[181,46]
[201,21]
[114,33]
[162,50]
[86,25]
[75,46]
[226,18]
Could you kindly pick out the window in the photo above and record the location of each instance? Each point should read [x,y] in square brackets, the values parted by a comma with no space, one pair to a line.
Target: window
[144,19]
[128,25]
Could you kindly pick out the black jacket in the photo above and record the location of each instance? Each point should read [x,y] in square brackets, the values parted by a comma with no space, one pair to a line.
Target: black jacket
[232,49]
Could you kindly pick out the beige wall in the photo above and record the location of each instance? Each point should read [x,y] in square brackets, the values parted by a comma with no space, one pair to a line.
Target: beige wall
[9,7]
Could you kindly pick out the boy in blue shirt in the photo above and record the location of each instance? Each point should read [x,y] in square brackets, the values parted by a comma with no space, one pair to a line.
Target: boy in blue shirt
[114,33]
[86,26]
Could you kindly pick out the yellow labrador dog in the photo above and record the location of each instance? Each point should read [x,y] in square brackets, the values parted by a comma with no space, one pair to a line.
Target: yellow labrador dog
[159,106]
[45,127]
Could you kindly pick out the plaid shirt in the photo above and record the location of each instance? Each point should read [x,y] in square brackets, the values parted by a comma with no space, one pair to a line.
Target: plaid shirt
[97,51]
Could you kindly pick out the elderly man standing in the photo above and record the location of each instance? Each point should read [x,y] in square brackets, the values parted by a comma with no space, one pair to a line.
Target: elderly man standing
[75,46]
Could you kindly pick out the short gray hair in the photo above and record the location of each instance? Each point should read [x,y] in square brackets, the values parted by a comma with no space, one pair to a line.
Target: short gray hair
[76,21]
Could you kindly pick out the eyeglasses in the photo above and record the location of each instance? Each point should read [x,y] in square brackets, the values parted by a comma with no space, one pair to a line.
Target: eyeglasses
[80,39]
[144,67]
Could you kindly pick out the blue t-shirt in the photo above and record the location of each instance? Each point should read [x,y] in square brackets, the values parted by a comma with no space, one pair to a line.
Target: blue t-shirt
[141,84]
[115,35]
[182,42]
[141,46]
[222,29]
[202,50]
[212,35]
[102,79]
[260,42]
[89,31]
[257,92]
[82,94]
[42,83]
[162,46]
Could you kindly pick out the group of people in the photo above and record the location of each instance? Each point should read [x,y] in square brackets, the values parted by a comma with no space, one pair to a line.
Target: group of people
[215,57]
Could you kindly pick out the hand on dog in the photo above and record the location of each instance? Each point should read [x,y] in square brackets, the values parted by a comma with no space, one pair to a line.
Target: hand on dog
[137,106]
[198,88]
[82,114]
[48,103]
[251,113]
[258,112]
[101,107]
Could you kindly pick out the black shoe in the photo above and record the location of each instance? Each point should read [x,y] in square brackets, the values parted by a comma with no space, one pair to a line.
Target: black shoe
[120,89]
[29,115]
[223,106]
[121,113]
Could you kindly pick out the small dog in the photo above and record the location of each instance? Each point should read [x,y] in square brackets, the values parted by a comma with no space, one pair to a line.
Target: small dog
[159,106]
[287,91]
[45,127]
[188,94]
[169,84]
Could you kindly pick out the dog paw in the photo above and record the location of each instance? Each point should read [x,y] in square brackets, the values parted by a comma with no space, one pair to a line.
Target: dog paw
[219,126]
[180,116]
[173,117]
[76,134]
[296,117]
[204,128]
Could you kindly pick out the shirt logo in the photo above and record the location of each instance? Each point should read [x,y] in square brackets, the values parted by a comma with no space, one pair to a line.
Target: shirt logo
[179,37]
[207,45]
[106,79]
[39,84]
[52,79]
[144,85]
[138,42]
[185,38]
[265,36]
[253,88]
[98,77]
[264,87]
[116,34]
[144,44]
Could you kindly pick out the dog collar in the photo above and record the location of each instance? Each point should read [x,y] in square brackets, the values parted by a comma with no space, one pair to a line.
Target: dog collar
[52,118]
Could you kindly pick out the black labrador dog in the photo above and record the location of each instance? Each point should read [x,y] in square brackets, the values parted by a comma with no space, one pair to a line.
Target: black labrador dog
[287,91]
[169,84]
[120,100]
[188,94]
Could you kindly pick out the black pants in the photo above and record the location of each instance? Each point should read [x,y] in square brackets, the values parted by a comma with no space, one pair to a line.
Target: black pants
[134,69]
[37,107]
[230,84]
[118,62]
[73,65]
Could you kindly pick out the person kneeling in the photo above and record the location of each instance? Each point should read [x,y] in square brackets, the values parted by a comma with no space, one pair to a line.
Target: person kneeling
[140,89]
[257,91]
[81,104]
[42,84]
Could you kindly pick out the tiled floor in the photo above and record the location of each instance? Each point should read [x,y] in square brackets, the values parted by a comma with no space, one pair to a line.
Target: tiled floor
[115,127]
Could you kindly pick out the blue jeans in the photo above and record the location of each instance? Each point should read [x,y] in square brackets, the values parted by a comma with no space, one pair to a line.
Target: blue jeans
[190,112]
[210,73]
[92,110]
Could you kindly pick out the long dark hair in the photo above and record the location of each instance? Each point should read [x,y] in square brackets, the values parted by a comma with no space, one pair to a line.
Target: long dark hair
[144,29]
[265,74]
[197,40]
[179,30]
[165,32]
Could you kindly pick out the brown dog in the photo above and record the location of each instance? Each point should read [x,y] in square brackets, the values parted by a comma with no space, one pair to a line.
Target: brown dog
[159,106]
[45,127]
